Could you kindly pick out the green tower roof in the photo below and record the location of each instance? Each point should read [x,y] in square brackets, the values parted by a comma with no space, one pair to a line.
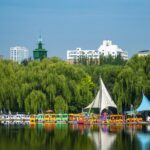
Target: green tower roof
[39,53]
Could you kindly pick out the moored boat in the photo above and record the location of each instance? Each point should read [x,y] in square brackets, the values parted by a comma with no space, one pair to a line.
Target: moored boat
[15,117]
[26,117]
[81,119]
[52,118]
[5,117]
[40,117]
[133,118]
[32,120]
[116,119]
[73,118]
[46,117]
[18,117]
[61,118]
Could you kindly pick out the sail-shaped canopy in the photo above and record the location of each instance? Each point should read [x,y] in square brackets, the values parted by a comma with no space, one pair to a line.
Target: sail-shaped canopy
[102,100]
[145,104]
[95,103]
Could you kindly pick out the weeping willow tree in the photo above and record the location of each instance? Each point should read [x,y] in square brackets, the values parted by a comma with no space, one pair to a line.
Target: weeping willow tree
[35,101]
[60,105]
[131,82]
[41,85]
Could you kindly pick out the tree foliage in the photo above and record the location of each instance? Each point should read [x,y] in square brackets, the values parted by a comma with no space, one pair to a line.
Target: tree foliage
[60,105]
[36,100]
[52,83]
[36,86]
[133,79]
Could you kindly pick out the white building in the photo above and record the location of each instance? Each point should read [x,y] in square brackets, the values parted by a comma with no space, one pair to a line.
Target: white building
[78,53]
[106,49]
[19,53]
[144,53]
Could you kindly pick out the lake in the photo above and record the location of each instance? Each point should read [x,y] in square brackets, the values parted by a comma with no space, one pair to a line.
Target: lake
[74,137]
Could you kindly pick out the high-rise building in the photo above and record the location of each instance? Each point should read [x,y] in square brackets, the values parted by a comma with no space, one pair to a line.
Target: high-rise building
[39,53]
[106,49]
[19,53]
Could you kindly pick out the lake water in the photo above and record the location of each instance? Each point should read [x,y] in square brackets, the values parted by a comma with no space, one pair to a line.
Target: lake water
[74,137]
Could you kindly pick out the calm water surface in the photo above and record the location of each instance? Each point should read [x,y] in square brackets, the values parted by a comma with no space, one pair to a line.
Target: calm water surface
[74,137]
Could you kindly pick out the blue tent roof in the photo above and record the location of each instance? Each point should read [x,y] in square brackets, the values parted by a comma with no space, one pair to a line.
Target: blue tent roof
[145,104]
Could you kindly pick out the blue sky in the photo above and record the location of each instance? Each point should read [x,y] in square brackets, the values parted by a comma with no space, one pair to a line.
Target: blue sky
[67,24]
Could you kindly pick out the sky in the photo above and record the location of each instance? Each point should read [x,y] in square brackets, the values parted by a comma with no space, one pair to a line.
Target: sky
[68,24]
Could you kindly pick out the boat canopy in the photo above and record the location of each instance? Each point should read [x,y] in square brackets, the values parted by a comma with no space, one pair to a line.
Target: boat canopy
[145,105]
[102,100]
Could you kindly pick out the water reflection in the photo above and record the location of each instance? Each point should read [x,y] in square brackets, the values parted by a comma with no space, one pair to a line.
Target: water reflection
[102,138]
[144,140]
[16,136]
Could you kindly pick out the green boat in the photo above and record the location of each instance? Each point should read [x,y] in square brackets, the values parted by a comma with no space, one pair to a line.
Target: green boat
[40,117]
[61,117]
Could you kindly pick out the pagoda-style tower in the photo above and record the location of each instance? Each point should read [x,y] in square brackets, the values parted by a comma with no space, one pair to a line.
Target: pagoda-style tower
[39,53]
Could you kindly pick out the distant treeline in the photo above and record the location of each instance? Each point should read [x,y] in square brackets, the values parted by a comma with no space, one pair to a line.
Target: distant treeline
[35,86]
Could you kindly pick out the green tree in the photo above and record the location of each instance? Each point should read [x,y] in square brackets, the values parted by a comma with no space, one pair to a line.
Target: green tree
[35,101]
[131,81]
[60,105]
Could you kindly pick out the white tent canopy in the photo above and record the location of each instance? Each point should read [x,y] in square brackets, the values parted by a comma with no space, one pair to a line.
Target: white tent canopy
[102,100]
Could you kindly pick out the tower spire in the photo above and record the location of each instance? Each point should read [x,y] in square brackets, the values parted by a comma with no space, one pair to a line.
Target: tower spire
[40,39]
[40,44]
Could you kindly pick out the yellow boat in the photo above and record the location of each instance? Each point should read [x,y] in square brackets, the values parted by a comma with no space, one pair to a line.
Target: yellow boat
[52,117]
[32,120]
[117,118]
[132,118]
[73,118]
[46,117]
